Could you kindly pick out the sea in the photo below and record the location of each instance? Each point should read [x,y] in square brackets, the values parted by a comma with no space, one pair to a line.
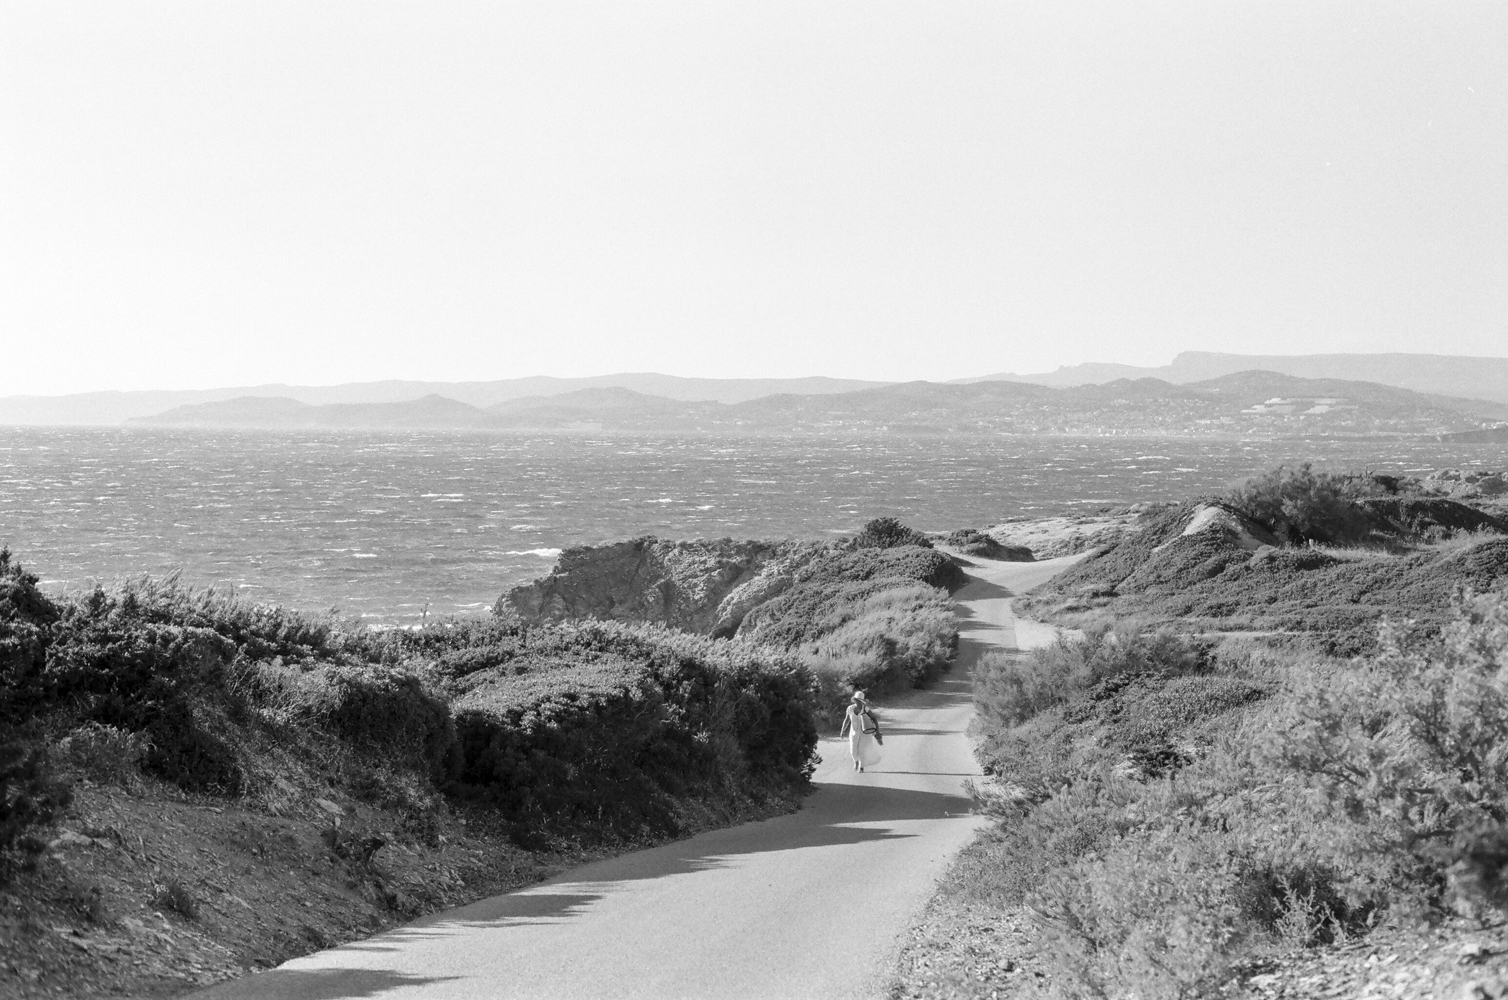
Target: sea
[397,528]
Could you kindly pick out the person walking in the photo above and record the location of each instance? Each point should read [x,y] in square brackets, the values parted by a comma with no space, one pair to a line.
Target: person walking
[863,729]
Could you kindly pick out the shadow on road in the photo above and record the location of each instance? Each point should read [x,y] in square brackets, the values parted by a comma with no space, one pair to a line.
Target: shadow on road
[317,984]
[979,589]
[829,818]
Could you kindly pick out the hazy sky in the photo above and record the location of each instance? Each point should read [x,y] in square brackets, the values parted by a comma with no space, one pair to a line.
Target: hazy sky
[207,194]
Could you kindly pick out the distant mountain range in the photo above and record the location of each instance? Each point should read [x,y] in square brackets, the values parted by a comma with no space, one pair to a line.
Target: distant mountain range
[115,407]
[1431,374]
[1252,402]
[1447,375]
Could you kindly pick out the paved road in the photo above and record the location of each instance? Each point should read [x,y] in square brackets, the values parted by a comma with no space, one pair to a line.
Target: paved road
[807,905]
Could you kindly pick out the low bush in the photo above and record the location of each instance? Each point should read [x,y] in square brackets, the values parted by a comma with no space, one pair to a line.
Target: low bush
[972,542]
[889,533]
[1401,759]
[30,796]
[1428,518]
[1159,914]
[611,724]
[1010,688]
[105,753]
[382,708]
[178,898]
[907,562]
[169,682]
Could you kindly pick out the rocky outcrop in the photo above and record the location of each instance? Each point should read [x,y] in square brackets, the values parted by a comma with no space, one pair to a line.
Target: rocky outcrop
[1465,484]
[699,586]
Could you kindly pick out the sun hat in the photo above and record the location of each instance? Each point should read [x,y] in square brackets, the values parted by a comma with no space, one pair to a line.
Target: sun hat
[859,696]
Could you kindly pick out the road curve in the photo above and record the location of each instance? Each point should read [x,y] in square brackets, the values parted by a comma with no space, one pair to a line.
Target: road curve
[807,905]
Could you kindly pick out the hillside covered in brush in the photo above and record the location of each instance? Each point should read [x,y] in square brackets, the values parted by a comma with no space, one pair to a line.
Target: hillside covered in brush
[1267,763]
[869,612]
[161,747]
[1295,554]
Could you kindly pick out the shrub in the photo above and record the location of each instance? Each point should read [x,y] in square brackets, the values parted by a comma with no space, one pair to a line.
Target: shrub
[808,613]
[257,631]
[385,708]
[609,724]
[1159,915]
[907,562]
[164,680]
[105,753]
[26,618]
[1010,688]
[1301,505]
[1430,518]
[972,542]
[888,533]
[1405,755]
[30,796]
[175,896]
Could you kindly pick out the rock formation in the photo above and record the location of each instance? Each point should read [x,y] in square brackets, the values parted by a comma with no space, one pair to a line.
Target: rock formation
[699,586]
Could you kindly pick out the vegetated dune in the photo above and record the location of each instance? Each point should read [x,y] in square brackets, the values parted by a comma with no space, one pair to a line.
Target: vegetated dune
[162,746]
[1206,565]
[1207,793]
[870,612]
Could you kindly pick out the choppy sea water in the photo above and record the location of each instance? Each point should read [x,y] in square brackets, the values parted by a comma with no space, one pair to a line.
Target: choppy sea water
[388,526]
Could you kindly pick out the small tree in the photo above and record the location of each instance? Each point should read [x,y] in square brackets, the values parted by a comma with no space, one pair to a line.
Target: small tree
[1301,505]
[889,533]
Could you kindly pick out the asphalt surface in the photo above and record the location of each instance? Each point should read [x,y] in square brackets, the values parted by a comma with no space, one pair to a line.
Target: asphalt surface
[807,905]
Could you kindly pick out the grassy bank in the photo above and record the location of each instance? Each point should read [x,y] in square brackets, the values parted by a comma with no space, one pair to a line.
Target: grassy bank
[224,785]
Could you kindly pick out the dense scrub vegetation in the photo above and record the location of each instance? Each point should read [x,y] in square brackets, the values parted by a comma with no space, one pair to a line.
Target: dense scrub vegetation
[1172,810]
[1180,801]
[1301,554]
[874,615]
[583,732]
[868,612]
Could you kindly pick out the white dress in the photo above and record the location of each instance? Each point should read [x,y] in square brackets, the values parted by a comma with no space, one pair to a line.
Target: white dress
[864,747]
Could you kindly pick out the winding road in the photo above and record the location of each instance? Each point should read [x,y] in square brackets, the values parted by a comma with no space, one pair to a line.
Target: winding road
[807,905]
